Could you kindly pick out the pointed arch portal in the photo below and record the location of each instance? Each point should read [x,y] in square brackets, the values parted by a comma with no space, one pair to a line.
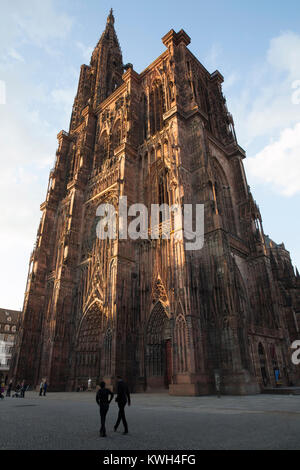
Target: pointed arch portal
[158,352]
[88,347]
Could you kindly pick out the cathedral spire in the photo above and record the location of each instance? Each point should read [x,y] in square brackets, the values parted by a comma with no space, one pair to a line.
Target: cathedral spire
[104,74]
[107,62]
[111,18]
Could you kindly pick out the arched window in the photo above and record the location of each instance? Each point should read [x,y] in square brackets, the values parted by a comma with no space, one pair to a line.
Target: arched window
[166,149]
[103,150]
[171,92]
[152,156]
[201,92]
[111,287]
[144,116]
[72,159]
[107,352]
[223,199]
[157,107]
[145,163]
[6,328]
[163,195]
[161,191]
[116,135]
[181,345]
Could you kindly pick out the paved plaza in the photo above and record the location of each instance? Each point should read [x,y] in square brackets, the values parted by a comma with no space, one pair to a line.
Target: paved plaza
[156,421]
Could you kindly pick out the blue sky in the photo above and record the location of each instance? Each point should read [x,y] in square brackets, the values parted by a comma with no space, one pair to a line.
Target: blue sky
[254,44]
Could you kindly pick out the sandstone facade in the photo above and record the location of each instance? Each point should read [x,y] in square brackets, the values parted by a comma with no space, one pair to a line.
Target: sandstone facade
[150,310]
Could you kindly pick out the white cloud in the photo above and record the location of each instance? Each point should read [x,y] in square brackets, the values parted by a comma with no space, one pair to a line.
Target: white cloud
[279,162]
[283,53]
[34,105]
[264,107]
[34,22]
[39,21]
[26,152]
[15,55]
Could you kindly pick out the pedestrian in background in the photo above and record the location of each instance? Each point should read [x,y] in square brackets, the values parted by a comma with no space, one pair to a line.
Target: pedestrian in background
[45,388]
[41,388]
[23,389]
[2,390]
[9,389]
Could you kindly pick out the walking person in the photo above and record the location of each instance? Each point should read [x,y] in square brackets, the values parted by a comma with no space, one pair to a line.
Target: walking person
[2,390]
[89,384]
[122,398]
[8,391]
[41,388]
[45,387]
[102,398]
[23,389]
[17,391]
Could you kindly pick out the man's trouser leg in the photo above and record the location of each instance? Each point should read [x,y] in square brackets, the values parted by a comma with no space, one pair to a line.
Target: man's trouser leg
[103,413]
[122,417]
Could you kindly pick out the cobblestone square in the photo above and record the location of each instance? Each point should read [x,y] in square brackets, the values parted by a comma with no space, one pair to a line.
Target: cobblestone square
[70,421]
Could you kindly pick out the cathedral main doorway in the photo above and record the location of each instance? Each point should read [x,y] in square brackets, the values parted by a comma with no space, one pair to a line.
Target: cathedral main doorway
[88,349]
[158,352]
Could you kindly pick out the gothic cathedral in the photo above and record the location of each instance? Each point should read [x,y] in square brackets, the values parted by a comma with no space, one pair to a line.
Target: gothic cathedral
[161,316]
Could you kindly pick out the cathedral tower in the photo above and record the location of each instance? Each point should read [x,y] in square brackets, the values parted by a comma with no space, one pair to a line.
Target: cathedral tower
[147,308]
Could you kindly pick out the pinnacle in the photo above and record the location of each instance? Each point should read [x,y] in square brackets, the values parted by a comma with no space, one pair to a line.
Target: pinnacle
[110,18]
[109,32]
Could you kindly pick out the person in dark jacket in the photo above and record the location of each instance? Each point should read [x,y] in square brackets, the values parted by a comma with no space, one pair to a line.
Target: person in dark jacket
[102,398]
[8,391]
[45,388]
[122,398]
[23,389]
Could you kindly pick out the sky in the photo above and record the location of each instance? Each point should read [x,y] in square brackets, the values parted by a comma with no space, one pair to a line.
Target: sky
[254,44]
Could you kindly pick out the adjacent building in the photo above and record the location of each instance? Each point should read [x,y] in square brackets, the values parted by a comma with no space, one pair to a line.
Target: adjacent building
[8,329]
